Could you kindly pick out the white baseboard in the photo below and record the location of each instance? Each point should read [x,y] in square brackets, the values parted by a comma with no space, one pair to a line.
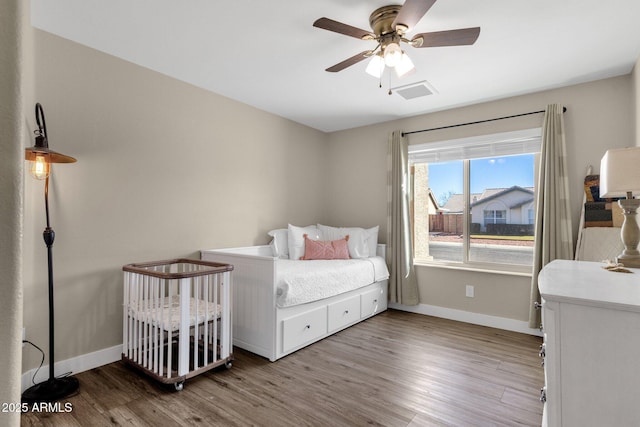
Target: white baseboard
[74,365]
[469,317]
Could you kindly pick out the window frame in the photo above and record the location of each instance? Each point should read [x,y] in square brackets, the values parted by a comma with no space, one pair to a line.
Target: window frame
[528,138]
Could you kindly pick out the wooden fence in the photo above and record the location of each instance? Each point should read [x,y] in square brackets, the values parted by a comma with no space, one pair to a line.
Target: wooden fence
[448,223]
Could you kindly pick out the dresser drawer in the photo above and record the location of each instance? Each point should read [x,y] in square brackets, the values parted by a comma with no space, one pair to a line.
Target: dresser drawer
[372,302]
[343,313]
[303,328]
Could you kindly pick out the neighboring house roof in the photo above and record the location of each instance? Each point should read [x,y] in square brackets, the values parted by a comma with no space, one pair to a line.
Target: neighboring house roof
[455,203]
[522,203]
[434,201]
[501,193]
[486,193]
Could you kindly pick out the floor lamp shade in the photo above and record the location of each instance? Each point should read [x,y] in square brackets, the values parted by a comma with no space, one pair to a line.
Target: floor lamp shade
[620,177]
[54,388]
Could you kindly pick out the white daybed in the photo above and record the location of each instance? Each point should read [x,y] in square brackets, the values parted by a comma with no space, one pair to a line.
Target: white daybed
[272,320]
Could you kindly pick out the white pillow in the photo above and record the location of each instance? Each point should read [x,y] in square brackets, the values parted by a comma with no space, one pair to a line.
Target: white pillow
[359,239]
[280,242]
[371,239]
[296,239]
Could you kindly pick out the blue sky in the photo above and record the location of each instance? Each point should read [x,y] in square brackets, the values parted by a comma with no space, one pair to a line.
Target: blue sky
[496,172]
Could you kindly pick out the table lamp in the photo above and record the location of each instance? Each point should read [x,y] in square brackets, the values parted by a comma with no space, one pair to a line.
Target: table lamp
[620,177]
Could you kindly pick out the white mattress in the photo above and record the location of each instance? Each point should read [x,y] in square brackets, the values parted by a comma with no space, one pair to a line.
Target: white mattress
[299,282]
[167,316]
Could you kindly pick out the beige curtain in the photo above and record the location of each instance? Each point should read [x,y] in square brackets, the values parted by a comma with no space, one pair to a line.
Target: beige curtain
[403,287]
[553,232]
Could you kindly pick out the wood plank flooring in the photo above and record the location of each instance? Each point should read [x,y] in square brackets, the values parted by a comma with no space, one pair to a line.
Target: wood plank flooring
[395,369]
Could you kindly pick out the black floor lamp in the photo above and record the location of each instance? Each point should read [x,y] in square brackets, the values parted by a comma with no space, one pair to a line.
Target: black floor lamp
[41,158]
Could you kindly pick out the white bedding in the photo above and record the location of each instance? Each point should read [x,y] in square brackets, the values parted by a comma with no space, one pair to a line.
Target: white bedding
[299,282]
[167,316]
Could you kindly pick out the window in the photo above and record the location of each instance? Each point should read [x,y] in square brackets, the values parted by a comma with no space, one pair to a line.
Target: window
[474,201]
[495,217]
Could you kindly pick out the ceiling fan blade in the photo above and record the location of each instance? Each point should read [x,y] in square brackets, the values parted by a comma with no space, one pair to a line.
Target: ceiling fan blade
[349,62]
[412,11]
[339,27]
[461,37]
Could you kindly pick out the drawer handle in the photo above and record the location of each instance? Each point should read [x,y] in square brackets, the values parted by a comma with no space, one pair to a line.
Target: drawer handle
[543,394]
[375,301]
[346,312]
[308,327]
[542,353]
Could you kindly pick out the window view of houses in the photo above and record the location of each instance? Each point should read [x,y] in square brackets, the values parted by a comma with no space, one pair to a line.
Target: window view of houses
[498,211]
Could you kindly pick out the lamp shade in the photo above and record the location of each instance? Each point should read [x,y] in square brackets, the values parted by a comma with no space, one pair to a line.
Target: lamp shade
[392,54]
[405,66]
[620,172]
[40,155]
[42,148]
[375,67]
[52,156]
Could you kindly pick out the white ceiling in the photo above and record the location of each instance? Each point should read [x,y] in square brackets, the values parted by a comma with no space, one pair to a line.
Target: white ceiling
[267,53]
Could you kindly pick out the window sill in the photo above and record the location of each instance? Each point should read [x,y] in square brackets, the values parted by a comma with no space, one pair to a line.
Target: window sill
[480,268]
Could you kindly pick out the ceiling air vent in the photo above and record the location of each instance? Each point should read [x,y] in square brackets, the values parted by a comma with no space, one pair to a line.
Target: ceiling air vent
[414,90]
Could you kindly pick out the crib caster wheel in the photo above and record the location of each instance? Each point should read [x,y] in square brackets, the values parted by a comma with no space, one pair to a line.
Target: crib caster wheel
[228,364]
[179,386]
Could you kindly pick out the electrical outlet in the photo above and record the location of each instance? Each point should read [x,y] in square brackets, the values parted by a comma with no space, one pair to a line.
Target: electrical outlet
[469,291]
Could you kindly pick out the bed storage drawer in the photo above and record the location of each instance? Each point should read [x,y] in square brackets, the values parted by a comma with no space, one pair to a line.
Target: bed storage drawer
[343,313]
[372,302]
[303,328]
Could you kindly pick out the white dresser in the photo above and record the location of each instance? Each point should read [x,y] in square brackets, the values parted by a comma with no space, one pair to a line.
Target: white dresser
[591,350]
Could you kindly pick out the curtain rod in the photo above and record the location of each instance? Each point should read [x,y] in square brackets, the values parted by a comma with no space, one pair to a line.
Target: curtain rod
[564,110]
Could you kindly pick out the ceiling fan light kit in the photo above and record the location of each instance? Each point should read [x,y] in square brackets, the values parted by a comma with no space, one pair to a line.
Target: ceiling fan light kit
[375,66]
[392,54]
[405,66]
[389,25]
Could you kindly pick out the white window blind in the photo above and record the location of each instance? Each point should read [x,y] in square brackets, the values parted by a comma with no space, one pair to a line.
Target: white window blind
[494,145]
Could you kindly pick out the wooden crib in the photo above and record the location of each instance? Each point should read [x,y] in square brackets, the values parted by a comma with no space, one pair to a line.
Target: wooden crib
[177,318]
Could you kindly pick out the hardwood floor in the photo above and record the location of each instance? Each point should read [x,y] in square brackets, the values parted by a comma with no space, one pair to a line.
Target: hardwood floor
[395,369]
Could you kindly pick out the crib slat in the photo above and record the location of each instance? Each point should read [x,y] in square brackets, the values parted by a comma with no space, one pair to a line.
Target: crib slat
[208,315]
[226,314]
[162,340]
[169,328]
[196,296]
[183,328]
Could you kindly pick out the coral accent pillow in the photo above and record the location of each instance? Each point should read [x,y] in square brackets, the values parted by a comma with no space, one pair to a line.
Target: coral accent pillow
[325,249]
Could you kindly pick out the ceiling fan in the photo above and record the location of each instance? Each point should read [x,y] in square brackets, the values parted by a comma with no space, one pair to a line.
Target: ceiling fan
[390,25]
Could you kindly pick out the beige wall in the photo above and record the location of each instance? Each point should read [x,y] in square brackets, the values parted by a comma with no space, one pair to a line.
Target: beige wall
[599,116]
[164,169]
